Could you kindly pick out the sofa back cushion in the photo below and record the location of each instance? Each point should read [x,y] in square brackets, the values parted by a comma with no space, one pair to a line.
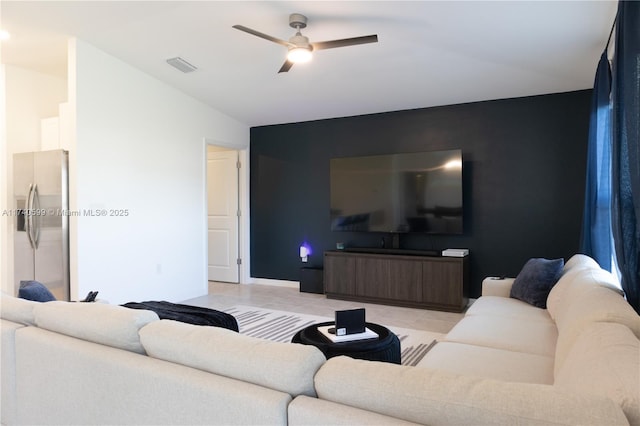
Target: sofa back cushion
[580,260]
[605,360]
[592,304]
[16,309]
[286,367]
[574,273]
[557,301]
[433,397]
[109,325]
[572,283]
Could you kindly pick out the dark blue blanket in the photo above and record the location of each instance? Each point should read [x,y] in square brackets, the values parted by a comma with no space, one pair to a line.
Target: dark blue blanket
[189,314]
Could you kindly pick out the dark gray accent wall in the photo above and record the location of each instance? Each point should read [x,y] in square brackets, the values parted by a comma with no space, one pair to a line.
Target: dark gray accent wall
[524,172]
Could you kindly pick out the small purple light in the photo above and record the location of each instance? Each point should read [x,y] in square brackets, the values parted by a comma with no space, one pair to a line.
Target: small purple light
[305,250]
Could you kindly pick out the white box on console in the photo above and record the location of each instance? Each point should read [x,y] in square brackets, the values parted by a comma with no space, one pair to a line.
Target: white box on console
[455,252]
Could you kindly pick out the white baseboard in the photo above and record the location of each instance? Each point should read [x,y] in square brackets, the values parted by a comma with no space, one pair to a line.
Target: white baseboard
[276,283]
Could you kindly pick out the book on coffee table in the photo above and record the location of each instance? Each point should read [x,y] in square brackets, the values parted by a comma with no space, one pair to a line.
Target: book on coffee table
[368,334]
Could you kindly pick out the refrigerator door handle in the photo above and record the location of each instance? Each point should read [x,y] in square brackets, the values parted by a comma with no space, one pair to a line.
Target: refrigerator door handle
[36,218]
[28,219]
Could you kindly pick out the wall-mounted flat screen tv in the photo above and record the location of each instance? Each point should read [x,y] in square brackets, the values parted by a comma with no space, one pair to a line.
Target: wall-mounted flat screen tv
[398,193]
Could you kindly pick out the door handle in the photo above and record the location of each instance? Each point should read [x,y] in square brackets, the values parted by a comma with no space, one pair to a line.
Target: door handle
[28,223]
[36,218]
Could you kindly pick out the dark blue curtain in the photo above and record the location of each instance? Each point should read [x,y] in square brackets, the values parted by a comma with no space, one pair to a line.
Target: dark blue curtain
[596,223]
[625,153]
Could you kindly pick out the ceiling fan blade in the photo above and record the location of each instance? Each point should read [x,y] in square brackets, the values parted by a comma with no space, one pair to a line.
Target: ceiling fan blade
[286,66]
[345,42]
[262,35]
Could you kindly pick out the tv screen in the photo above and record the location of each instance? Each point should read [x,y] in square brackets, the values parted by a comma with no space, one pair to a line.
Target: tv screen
[408,192]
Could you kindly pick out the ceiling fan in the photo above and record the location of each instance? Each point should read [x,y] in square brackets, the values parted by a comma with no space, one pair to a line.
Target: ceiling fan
[299,46]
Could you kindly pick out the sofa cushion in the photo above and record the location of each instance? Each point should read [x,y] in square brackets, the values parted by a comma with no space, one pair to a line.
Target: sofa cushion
[533,337]
[572,284]
[605,360]
[579,260]
[16,309]
[434,397]
[490,363]
[8,398]
[308,411]
[285,367]
[559,299]
[36,291]
[69,381]
[593,304]
[109,325]
[535,280]
[508,308]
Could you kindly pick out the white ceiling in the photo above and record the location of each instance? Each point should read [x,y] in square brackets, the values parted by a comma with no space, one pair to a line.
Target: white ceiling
[429,52]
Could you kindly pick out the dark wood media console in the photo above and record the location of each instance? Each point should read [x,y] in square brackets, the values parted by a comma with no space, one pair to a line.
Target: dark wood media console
[418,281]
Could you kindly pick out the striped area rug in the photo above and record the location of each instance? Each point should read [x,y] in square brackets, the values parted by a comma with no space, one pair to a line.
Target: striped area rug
[280,326]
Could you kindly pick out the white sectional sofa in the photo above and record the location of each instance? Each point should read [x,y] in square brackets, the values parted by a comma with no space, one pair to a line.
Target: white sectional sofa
[80,363]
[506,362]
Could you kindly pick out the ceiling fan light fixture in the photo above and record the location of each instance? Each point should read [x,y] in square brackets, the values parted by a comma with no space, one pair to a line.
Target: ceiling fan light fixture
[300,50]
[299,55]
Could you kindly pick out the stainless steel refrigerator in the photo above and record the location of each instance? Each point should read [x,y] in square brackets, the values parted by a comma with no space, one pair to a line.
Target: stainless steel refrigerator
[41,202]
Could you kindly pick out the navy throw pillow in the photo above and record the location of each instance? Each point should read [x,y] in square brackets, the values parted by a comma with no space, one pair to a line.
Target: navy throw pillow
[536,279]
[36,291]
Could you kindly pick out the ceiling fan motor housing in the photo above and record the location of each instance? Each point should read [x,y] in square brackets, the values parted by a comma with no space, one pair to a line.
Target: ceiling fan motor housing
[297,21]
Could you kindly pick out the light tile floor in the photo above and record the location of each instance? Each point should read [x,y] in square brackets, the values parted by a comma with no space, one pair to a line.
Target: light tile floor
[224,295]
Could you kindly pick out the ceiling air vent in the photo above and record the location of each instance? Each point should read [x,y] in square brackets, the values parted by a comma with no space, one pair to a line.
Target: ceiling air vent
[181,64]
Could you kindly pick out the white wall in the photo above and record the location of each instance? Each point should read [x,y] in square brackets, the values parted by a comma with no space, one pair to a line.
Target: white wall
[138,147]
[5,220]
[30,96]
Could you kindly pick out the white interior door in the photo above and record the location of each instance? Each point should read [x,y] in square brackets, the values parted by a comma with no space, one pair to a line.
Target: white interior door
[223,215]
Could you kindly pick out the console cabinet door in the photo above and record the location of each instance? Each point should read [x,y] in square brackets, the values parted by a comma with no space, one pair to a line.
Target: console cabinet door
[442,282]
[384,278]
[339,274]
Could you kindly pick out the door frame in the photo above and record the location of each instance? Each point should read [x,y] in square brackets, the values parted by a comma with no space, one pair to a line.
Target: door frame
[243,201]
